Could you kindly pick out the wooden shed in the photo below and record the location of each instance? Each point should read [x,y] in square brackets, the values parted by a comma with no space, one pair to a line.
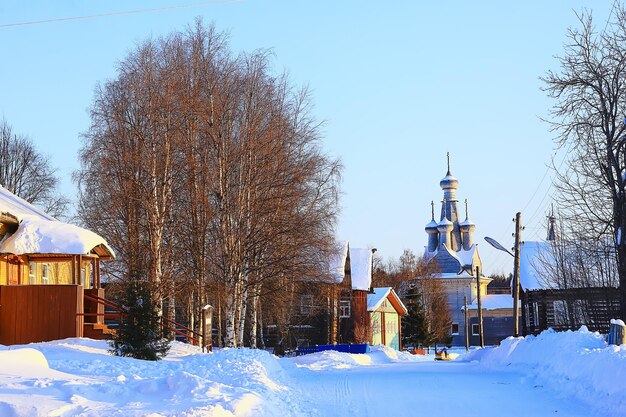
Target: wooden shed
[386,311]
[49,276]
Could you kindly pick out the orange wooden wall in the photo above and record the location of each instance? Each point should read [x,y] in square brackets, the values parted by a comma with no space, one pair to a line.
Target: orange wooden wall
[36,313]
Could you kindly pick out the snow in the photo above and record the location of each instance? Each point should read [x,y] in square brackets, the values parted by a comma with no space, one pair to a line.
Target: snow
[445,222]
[494,302]
[467,222]
[452,275]
[577,364]
[574,374]
[432,225]
[37,235]
[361,268]
[39,232]
[18,207]
[532,253]
[465,257]
[337,264]
[618,322]
[380,294]
[375,300]
[379,355]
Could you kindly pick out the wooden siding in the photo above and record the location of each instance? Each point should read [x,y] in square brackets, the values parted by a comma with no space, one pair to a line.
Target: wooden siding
[360,317]
[37,313]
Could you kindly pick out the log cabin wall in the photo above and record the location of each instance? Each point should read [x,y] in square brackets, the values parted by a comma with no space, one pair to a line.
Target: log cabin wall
[36,313]
[360,317]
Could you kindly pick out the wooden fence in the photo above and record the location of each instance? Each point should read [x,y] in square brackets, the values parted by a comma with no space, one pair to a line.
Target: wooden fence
[35,313]
[568,309]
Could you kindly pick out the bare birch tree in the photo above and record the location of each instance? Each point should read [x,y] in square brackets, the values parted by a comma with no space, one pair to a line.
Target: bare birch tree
[218,161]
[588,115]
[26,172]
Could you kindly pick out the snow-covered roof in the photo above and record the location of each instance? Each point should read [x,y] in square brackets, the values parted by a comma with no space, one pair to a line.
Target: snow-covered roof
[380,294]
[467,222]
[532,254]
[445,222]
[432,225]
[450,275]
[493,302]
[337,263]
[41,233]
[466,257]
[361,268]
[18,207]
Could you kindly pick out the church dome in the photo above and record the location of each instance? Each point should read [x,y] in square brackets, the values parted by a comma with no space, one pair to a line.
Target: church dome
[467,224]
[445,225]
[449,182]
[431,226]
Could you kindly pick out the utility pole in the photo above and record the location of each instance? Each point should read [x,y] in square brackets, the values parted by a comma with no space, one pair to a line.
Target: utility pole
[480,309]
[516,286]
[466,324]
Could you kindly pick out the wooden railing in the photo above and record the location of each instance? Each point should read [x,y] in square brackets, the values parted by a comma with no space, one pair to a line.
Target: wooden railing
[167,324]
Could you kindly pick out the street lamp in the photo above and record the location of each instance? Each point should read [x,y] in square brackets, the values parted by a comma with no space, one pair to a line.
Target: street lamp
[516,257]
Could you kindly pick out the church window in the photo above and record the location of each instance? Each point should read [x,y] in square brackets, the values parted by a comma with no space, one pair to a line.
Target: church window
[455,329]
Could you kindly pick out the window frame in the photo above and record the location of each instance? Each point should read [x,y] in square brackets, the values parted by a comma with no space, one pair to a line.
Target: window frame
[458,328]
[345,309]
[306,304]
[32,272]
[45,273]
[477,331]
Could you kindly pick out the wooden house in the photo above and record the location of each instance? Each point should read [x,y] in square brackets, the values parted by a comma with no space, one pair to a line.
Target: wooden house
[333,309]
[49,276]
[385,313]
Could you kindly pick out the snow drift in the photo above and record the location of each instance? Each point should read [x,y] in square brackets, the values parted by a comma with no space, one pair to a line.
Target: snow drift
[578,364]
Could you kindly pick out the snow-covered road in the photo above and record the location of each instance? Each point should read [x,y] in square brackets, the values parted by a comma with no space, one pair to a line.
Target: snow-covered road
[433,389]
[572,374]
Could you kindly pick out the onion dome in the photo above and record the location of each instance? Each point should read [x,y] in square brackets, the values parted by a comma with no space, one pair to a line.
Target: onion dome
[449,182]
[431,227]
[466,224]
[445,225]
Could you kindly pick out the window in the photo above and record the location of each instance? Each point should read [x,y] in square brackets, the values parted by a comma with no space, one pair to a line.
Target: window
[344,309]
[475,330]
[303,343]
[32,273]
[455,329]
[306,304]
[45,273]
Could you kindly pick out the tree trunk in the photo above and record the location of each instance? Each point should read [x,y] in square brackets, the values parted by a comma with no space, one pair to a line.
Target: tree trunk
[254,321]
[230,340]
[242,309]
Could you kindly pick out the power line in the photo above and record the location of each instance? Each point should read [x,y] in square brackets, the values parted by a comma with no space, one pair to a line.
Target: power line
[156,9]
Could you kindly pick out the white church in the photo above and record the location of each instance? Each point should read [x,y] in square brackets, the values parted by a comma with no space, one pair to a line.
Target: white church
[451,245]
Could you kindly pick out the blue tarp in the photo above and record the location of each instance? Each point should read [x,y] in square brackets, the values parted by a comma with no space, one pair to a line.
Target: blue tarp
[346,348]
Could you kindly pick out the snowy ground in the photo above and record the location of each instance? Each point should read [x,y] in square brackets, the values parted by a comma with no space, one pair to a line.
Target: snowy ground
[566,374]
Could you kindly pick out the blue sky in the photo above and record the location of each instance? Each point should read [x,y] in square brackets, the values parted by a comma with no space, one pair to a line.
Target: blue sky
[398,85]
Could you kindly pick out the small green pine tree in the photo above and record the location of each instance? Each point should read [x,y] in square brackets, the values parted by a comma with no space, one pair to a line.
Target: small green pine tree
[139,335]
[414,324]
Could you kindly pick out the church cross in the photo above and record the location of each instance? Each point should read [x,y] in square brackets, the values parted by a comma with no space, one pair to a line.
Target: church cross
[432,206]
